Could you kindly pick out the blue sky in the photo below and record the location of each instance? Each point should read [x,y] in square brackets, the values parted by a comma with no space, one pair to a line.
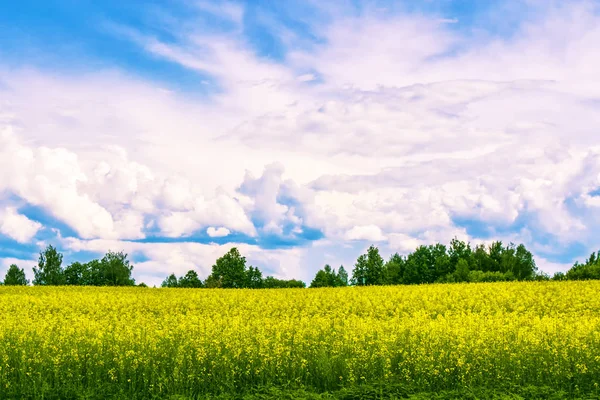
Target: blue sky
[299,132]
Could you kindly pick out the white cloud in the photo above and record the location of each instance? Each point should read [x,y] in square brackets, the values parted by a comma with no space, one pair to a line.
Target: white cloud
[366,232]
[221,209]
[551,267]
[217,232]
[17,226]
[110,194]
[306,77]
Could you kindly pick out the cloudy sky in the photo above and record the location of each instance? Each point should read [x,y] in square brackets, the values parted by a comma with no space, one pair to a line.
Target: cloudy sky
[299,132]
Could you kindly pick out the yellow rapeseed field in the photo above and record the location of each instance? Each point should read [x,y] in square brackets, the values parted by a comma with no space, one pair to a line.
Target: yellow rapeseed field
[157,342]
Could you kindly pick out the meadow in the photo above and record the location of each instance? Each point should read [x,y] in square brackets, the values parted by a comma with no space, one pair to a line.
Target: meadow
[133,342]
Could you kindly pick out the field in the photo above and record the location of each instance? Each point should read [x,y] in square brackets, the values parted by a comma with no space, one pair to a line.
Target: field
[72,342]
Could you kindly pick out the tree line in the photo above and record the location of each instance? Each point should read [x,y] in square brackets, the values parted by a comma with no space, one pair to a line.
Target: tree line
[438,263]
[229,272]
[111,270]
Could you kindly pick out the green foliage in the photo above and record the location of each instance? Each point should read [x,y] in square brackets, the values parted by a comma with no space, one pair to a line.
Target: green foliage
[420,266]
[112,270]
[359,274]
[427,264]
[369,268]
[455,263]
[77,274]
[459,250]
[323,278]
[442,264]
[494,257]
[394,270]
[559,276]
[588,270]
[230,271]
[273,283]
[327,277]
[254,279]
[519,261]
[542,276]
[190,280]
[116,270]
[374,271]
[212,282]
[93,274]
[342,276]
[170,282]
[15,276]
[462,273]
[490,276]
[49,270]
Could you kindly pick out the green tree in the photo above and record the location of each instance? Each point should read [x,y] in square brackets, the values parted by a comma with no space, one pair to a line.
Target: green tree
[254,279]
[359,273]
[49,270]
[273,283]
[77,274]
[375,263]
[342,277]
[525,267]
[294,283]
[369,268]
[170,282]
[442,263]
[559,276]
[115,270]
[394,270]
[459,249]
[461,274]
[490,276]
[189,280]
[480,259]
[419,266]
[325,277]
[94,273]
[320,280]
[495,257]
[212,283]
[15,276]
[229,271]
[590,269]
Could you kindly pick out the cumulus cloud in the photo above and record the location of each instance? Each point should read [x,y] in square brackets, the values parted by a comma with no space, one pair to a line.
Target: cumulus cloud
[367,232]
[222,209]
[49,177]
[17,226]
[217,232]
[111,197]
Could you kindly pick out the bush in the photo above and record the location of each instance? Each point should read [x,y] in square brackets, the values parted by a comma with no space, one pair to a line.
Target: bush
[481,276]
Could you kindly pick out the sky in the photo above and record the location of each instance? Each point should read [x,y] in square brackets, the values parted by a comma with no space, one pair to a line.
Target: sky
[301,132]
